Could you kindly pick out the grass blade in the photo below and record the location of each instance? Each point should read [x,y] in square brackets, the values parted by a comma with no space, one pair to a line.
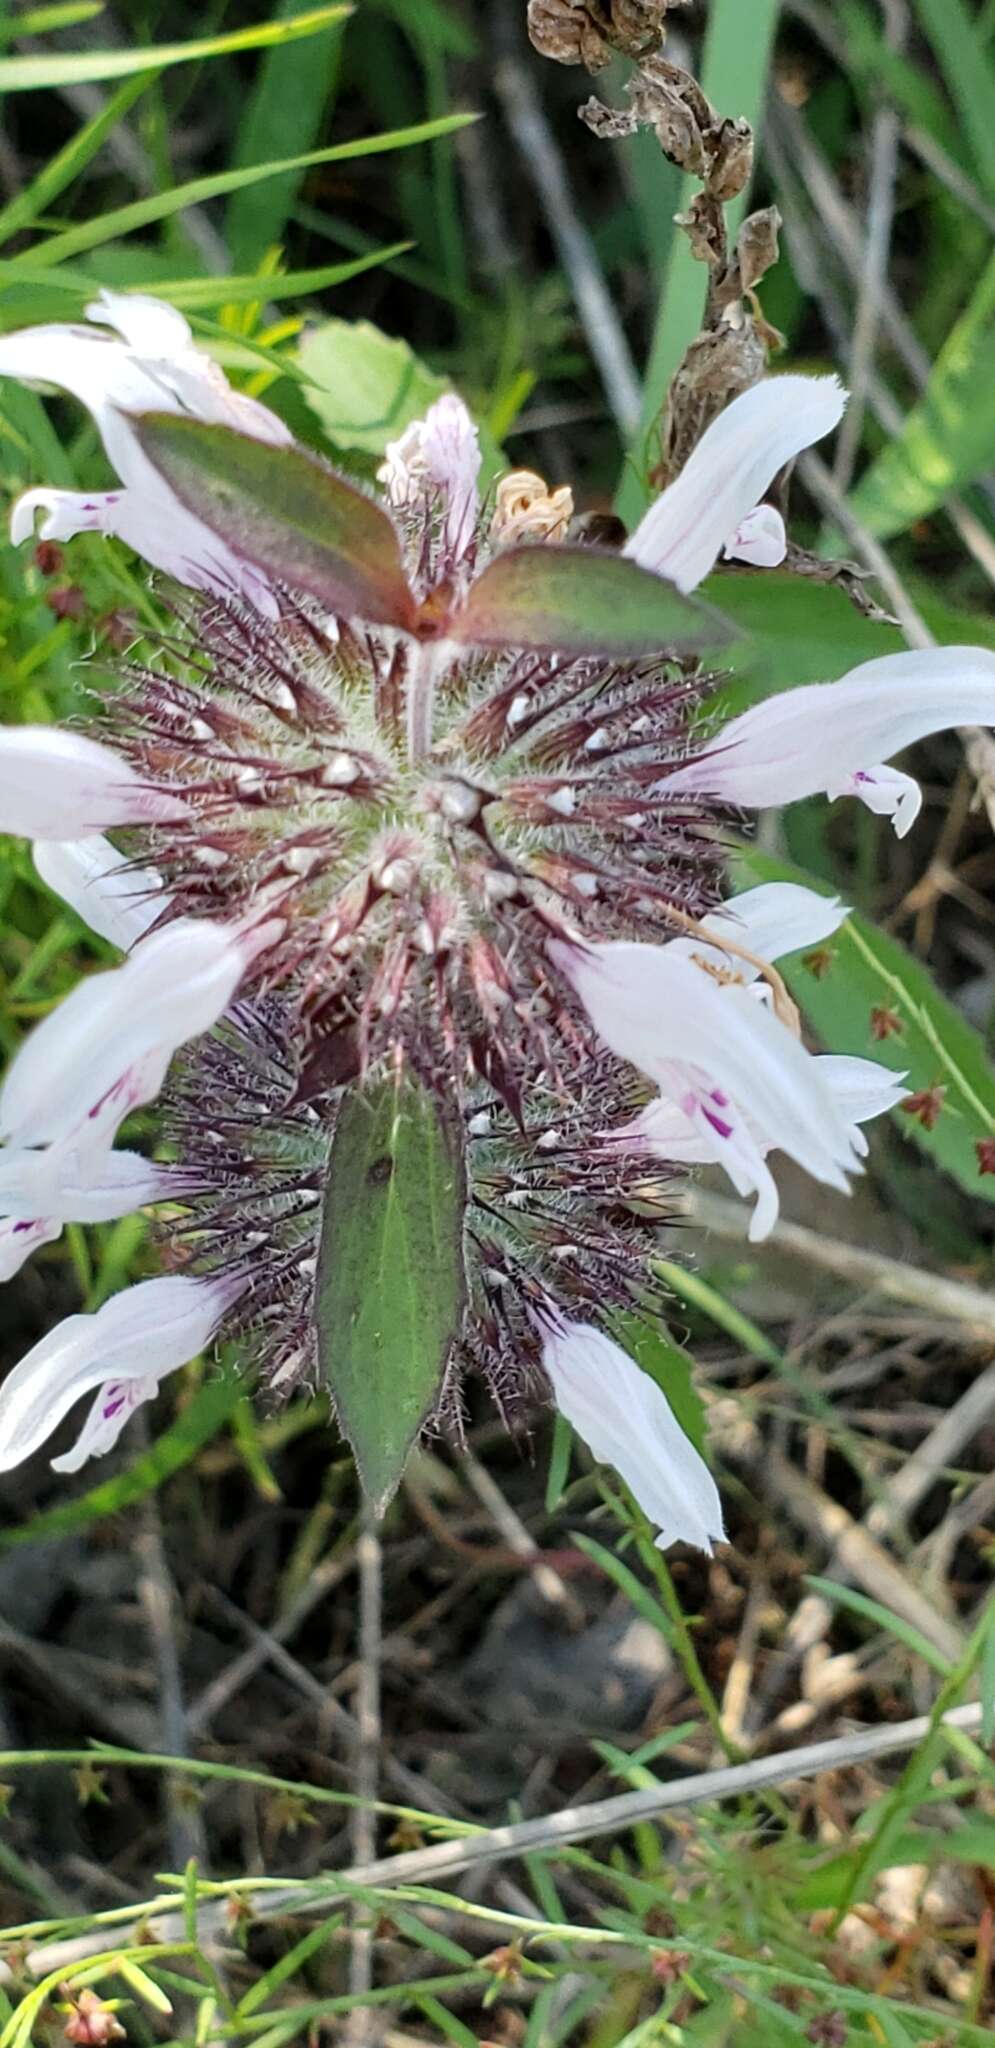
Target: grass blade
[84,67]
[142,213]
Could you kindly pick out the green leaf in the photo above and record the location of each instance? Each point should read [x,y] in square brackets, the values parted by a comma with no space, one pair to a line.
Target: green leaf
[69,162]
[948,438]
[792,631]
[83,67]
[366,387]
[581,600]
[280,508]
[861,971]
[391,1272]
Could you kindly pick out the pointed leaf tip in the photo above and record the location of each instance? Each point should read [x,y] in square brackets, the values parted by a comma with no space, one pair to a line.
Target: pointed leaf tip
[582,600]
[283,510]
[391,1274]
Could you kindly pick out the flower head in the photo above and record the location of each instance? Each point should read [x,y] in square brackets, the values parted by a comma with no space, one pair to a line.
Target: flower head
[403,794]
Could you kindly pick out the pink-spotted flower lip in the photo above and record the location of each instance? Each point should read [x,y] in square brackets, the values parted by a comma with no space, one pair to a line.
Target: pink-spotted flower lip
[832,738]
[152,365]
[626,1421]
[106,1048]
[741,1080]
[672,1131]
[63,785]
[714,504]
[124,1350]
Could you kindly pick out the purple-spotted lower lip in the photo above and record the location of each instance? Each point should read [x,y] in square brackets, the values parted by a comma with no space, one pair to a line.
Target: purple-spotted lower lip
[718,1123]
[115,1401]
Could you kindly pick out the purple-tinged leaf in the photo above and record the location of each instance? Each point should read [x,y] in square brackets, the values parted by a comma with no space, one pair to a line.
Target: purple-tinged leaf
[283,510]
[581,600]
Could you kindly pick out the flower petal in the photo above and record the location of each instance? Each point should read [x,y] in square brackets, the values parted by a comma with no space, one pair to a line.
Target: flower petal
[108,891]
[156,368]
[680,1028]
[760,539]
[110,1040]
[725,477]
[142,1334]
[114,1407]
[829,736]
[19,1238]
[771,920]
[65,1189]
[156,525]
[439,455]
[626,1421]
[58,785]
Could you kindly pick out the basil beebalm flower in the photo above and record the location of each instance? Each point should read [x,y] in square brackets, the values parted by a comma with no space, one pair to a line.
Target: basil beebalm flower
[410,840]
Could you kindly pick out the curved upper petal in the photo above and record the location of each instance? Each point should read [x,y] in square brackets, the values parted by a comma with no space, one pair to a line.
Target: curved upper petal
[726,475]
[60,785]
[657,1011]
[822,735]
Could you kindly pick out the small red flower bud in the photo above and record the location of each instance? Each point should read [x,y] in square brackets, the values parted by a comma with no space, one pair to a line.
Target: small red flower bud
[926,1105]
[886,1024]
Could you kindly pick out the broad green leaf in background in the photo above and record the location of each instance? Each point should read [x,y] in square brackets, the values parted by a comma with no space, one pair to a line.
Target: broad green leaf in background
[860,985]
[949,437]
[366,386]
[581,600]
[283,510]
[79,67]
[792,631]
[391,1273]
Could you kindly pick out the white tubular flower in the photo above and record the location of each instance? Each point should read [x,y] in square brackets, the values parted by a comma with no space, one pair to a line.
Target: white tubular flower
[107,1047]
[861,1090]
[738,1076]
[441,454]
[626,1421]
[125,1350]
[153,367]
[830,738]
[112,894]
[54,784]
[715,501]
